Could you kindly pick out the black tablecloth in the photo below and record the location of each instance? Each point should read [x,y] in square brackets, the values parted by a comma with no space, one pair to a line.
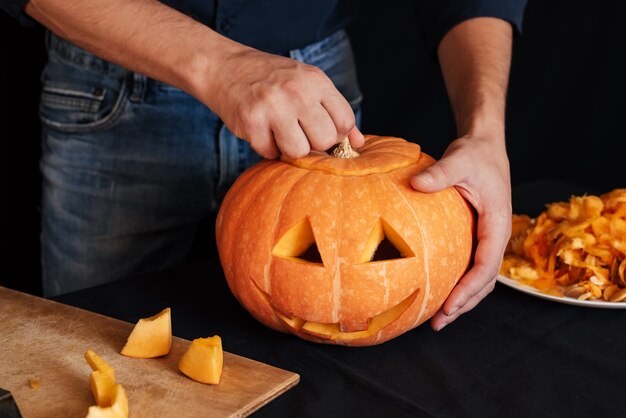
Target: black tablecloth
[513,355]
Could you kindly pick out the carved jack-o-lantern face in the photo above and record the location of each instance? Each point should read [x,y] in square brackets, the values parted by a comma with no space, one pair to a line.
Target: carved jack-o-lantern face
[343,251]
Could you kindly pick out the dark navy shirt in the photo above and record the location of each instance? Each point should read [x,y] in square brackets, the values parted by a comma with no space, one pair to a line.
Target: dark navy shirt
[277,26]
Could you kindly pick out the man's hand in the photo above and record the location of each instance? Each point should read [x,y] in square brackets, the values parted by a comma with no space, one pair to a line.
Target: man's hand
[479,169]
[275,103]
[475,59]
[280,105]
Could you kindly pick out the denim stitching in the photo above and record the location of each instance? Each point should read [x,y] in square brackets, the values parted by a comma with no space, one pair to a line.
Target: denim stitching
[105,122]
[74,93]
[70,103]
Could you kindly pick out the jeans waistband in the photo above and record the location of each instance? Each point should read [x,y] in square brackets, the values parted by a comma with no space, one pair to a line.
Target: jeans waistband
[69,52]
[320,46]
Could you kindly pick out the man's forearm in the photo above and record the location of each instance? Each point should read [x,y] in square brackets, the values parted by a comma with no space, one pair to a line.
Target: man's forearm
[277,104]
[142,35]
[475,58]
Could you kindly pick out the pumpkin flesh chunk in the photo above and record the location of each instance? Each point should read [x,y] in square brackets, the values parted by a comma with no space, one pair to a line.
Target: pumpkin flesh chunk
[203,360]
[111,399]
[151,337]
[102,388]
[117,409]
[97,363]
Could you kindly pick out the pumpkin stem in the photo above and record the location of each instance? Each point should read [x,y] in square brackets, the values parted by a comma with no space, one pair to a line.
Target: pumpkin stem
[344,150]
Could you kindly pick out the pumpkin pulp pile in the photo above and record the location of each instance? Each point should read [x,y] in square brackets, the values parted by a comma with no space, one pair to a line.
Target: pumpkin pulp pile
[575,249]
[341,249]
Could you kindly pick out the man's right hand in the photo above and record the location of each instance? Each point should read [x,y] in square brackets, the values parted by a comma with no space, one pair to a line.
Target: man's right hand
[279,105]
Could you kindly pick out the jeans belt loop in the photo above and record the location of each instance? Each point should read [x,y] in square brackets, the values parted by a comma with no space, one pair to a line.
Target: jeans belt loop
[138,88]
[296,54]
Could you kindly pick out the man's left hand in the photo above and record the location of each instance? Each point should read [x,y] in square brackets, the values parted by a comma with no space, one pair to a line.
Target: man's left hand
[478,167]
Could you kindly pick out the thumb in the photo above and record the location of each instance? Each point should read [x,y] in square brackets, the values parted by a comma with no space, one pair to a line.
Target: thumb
[356,138]
[439,176]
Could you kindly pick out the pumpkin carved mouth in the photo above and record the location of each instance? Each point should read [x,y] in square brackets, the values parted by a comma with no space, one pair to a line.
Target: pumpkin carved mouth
[298,244]
[336,331]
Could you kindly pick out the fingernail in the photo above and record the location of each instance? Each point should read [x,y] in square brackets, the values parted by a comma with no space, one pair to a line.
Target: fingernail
[441,326]
[453,311]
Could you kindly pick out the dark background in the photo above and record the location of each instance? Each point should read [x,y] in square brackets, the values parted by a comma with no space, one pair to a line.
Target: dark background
[565,113]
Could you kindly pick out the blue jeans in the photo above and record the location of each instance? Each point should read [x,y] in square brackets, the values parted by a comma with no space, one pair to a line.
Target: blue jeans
[131,165]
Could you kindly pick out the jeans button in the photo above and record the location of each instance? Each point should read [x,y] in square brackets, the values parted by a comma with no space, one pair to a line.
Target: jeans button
[225,25]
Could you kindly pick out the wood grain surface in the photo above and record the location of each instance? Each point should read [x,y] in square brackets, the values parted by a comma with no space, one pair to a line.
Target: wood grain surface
[45,341]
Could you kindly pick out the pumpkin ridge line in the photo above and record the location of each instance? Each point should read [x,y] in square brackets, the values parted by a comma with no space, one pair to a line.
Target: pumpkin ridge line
[228,201]
[386,298]
[230,245]
[386,284]
[337,269]
[266,271]
[424,255]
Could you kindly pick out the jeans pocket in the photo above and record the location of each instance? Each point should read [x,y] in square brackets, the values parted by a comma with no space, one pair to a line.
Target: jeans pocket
[77,100]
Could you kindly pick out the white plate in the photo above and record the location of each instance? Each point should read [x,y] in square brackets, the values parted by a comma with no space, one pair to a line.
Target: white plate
[565,299]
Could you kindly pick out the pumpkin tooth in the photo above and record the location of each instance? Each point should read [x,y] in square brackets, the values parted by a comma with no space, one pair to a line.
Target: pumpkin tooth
[354,326]
[293,321]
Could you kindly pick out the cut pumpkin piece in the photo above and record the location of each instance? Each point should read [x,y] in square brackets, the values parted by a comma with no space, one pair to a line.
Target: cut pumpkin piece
[98,364]
[151,337]
[118,408]
[203,360]
[102,388]
[111,400]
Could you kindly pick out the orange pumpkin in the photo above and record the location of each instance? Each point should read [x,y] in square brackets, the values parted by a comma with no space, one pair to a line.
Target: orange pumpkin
[343,250]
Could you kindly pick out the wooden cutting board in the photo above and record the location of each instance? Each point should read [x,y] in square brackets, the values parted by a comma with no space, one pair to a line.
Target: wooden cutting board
[45,341]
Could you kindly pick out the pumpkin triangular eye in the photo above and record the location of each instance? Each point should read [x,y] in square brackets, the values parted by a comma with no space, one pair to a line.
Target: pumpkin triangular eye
[298,244]
[384,243]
